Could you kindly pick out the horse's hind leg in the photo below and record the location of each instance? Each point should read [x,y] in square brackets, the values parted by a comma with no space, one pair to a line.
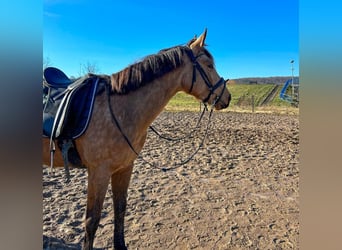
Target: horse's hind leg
[97,187]
[120,183]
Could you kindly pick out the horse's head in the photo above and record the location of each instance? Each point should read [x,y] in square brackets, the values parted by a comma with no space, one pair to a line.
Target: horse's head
[205,83]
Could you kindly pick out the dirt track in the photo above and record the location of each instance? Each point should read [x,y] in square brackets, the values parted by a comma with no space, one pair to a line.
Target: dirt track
[239,192]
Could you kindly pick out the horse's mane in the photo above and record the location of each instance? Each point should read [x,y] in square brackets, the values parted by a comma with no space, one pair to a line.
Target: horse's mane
[149,69]
[146,70]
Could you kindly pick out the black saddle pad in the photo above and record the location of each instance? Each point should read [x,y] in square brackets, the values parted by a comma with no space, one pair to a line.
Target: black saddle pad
[80,110]
[72,120]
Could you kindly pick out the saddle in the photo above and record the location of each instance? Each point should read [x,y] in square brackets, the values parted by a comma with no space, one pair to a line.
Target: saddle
[67,108]
[67,104]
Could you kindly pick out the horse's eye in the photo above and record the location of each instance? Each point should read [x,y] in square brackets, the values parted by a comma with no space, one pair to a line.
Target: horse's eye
[210,66]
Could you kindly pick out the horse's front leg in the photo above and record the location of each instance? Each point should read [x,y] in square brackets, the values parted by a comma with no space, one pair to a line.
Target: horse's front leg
[120,183]
[97,187]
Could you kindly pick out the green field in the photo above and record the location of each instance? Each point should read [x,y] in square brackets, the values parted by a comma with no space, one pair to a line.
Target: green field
[241,100]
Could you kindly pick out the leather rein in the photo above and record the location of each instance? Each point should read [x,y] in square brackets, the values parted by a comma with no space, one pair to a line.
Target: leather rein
[211,88]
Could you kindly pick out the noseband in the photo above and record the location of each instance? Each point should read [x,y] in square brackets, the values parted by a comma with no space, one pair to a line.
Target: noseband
[204,76]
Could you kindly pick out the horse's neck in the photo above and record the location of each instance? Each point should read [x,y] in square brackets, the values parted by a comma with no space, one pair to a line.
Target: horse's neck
[146,103]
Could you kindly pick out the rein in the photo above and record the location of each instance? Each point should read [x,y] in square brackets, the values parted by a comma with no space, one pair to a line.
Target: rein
[116,122]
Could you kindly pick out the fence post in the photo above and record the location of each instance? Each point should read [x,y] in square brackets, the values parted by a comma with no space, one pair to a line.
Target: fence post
[253,103]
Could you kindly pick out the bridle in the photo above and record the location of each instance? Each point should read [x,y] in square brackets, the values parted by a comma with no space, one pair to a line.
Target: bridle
[205,78]
[212,88]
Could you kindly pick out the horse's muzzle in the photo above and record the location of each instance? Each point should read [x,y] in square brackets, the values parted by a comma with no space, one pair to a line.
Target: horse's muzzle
[223,103]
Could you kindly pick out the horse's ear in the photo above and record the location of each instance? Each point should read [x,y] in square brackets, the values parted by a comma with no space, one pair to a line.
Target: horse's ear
[204,35]
[200,40]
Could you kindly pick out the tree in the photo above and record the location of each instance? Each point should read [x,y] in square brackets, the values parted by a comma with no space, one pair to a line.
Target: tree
[46,62]
[89,67]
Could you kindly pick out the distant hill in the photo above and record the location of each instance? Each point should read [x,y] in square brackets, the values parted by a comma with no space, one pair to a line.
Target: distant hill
[279,80]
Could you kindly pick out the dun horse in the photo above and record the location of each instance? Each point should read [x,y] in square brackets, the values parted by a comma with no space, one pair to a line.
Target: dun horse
[137,95]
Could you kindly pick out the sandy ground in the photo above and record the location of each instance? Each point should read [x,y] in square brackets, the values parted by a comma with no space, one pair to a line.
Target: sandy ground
[240,191]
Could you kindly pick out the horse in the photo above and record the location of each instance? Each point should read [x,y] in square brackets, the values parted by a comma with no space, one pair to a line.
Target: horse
[134,97]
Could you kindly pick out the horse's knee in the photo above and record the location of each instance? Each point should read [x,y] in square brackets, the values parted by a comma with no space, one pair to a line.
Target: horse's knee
[91,224]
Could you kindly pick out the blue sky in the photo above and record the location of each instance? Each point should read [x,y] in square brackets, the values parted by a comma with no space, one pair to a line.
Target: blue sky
[247,38]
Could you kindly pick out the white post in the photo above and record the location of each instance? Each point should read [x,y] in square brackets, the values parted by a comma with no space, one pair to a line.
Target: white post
[293,87]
